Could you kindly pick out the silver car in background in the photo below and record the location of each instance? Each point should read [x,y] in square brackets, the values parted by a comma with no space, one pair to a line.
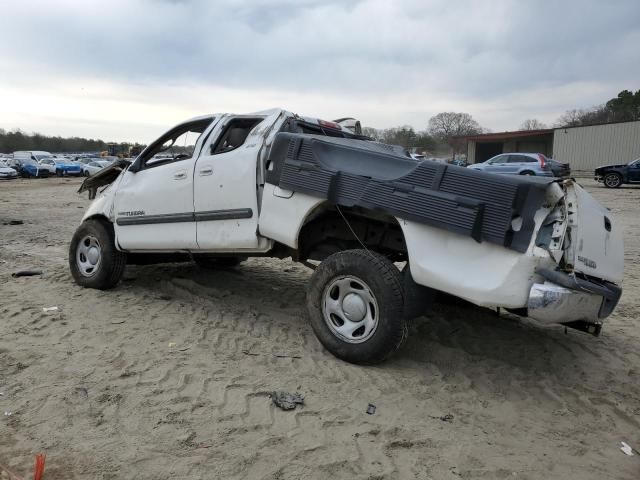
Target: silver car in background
[524,164]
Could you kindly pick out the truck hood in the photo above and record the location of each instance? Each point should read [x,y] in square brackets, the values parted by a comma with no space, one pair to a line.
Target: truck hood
[104,177]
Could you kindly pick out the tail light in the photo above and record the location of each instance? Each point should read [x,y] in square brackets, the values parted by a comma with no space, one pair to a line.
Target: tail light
[324,123]
[542,160]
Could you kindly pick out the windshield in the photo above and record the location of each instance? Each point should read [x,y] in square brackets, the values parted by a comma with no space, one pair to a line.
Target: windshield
[634,162]
[178,144]
[40,157]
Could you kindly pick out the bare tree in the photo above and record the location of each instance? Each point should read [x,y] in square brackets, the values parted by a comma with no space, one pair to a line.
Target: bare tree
[450,126]
[570,118]
[405,136]
[372,132]
[532,124]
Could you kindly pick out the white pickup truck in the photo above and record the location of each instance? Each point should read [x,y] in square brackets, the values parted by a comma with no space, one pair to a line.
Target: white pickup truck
[220,188]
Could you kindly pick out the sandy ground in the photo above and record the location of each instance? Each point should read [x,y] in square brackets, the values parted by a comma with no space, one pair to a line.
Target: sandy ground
[168,375]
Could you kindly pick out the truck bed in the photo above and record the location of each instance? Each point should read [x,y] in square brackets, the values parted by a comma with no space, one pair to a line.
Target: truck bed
[360,173]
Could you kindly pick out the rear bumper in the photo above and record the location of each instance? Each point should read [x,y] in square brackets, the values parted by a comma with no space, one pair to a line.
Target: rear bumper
[571,299]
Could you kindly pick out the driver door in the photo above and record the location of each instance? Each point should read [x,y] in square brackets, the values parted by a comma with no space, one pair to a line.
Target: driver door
[154,200]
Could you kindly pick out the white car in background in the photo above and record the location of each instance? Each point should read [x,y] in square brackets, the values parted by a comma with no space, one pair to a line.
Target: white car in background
[49,164]
[6,172]
[94,167]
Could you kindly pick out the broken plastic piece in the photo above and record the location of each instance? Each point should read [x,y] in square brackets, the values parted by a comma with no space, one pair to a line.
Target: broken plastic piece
[626,449]
[286,400]
[38,469]
[371,409]
[50,309]
[26,273]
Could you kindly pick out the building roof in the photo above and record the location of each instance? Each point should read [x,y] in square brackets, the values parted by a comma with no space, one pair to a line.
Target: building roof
[508,135]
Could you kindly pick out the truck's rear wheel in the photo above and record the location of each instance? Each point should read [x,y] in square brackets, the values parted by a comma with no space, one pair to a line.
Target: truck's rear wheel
[93,258]
[355,304]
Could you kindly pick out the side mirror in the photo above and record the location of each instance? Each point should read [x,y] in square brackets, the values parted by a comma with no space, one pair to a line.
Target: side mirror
[135,166]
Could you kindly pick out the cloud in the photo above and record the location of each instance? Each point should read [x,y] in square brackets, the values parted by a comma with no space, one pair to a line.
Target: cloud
[386,62]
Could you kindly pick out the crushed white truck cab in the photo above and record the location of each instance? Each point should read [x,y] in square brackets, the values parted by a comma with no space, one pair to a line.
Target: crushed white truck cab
[220,188]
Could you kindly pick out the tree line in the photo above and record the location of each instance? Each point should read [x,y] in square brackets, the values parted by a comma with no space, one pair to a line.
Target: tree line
[444,130]
[12,141]
[441,135]
[625,107]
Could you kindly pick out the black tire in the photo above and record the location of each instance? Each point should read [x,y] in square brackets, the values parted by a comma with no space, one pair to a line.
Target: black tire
[417,298]
[385,284]
[86,173]
[59,173]
[528,172]
[112,263]
[612,180]
[214,263]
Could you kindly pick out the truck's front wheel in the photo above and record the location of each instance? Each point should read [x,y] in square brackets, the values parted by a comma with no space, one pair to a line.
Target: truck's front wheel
[93,258]
[355,303]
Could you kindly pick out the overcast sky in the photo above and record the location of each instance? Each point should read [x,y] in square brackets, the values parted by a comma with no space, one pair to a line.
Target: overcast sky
[128,70]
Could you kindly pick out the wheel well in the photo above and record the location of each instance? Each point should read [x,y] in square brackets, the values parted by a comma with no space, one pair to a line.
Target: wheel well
[524,172]
[331,229]
[99,216]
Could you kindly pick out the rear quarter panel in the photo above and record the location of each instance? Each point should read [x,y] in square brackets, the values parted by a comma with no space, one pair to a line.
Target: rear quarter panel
[482,273]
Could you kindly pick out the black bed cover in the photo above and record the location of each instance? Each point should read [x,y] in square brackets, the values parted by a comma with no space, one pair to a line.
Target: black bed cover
[380,177]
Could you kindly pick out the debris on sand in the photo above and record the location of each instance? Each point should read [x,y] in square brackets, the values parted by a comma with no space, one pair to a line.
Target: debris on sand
[371,409]
[277,354]
[50,309]
[445,418]
[626,449]
[13,222]
[286,400]
[26,273]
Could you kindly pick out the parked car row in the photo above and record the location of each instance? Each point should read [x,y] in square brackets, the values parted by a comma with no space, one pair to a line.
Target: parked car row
[41,164]
[611,176]
[534,164]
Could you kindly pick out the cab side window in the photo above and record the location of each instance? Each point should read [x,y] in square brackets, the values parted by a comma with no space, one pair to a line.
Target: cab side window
[234,135]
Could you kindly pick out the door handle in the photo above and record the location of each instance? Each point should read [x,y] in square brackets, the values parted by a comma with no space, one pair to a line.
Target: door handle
[181,175]
[206,171]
